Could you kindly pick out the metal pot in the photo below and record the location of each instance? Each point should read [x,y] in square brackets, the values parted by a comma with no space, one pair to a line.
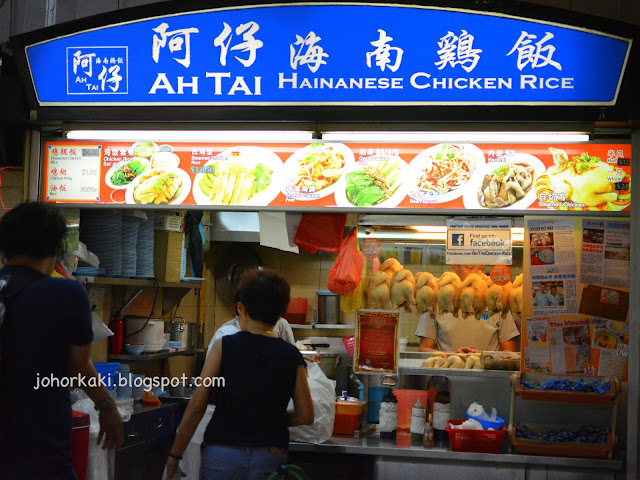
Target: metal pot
[328,363]
[183,332]
[328,307]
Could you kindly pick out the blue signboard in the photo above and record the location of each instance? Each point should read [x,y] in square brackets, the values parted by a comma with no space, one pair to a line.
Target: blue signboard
[327,55]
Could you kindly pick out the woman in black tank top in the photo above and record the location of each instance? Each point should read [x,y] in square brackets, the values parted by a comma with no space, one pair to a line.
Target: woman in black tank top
[257,374]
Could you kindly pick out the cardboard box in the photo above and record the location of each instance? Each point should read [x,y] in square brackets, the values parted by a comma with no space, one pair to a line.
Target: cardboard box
[167,255]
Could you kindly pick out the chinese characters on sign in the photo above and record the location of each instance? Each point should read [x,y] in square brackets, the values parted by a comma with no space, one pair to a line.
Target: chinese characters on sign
[97,70]
[73,173]
[280,54]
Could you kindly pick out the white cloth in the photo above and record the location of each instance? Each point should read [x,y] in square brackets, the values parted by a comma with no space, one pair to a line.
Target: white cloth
[451,333]
[281,330]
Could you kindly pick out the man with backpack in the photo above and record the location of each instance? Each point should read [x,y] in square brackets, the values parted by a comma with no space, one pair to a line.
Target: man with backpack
[45,333]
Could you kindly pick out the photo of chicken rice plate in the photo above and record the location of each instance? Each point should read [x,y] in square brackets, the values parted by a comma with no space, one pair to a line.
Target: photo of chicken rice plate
[157,187]
[505,185]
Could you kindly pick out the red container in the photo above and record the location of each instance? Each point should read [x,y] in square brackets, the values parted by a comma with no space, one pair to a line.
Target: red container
[406,400]
[117,327]
[297,311]
[80,443]
[482,441]
[348,414]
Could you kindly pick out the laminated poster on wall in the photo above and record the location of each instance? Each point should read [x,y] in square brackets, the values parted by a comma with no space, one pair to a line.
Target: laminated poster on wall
[579,346]
[552,252]
[376,349]
[605,253]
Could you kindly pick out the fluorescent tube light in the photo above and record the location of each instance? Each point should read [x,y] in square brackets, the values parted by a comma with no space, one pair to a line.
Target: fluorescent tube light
[462,137]
[253,136]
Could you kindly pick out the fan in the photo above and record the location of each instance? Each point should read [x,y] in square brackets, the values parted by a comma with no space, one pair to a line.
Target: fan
[233,262]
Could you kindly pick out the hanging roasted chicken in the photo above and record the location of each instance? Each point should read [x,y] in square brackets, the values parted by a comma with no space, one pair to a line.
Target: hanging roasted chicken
[378,290]
[449,293]
[473,292]
[426,293]
[403,290]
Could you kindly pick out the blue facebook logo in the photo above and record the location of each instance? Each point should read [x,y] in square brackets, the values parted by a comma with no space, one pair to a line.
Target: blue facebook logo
[457,239]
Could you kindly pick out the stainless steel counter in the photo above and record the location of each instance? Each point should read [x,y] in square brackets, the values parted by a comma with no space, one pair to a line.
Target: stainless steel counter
[389,448]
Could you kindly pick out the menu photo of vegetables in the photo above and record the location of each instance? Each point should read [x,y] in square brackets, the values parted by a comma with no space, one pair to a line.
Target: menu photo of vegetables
[504,185]
[120,175]
[584,182]
[441,173]
[240,175]
[375,183]
[313,171]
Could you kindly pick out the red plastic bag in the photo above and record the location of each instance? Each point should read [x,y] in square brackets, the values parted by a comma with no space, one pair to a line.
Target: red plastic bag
[346,273]
[320,231]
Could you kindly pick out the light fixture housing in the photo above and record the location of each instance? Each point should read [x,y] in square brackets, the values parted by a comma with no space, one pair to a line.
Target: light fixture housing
[461,137]
[253,136]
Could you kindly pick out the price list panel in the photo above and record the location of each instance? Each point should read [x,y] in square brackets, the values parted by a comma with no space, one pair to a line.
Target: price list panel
[72,173]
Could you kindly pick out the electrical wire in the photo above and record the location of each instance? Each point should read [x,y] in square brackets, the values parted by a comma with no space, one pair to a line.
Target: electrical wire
[155,296]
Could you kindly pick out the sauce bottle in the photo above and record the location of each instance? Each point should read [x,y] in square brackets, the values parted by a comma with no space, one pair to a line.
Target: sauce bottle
[388,416]
[441,408]
[418,414]
[117,327]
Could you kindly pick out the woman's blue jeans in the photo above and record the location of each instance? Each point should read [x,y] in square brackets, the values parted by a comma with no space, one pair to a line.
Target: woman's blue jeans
[239,463]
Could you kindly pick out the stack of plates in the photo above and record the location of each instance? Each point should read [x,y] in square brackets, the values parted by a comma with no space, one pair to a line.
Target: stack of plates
[123,390]
[129,243]
[183,258]
[101,231]
[144,248]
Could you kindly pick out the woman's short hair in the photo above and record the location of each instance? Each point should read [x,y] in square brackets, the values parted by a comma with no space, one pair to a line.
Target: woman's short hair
[265,295]
[32,229]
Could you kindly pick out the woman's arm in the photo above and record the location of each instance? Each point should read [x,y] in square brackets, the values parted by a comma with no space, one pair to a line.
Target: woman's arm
[197,405]
[302,405]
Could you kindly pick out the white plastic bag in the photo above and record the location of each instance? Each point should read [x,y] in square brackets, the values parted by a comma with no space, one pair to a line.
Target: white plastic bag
[99,462]
[100,330]
[323,396]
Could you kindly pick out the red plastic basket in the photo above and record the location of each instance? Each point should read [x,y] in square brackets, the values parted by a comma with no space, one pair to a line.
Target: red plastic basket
[349,344]
[481,441]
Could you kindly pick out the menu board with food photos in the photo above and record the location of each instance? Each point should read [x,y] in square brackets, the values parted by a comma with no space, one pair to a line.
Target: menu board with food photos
[354,176]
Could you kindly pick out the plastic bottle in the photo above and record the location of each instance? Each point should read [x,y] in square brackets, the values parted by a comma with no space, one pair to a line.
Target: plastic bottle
[441,408]
[388,416]
[117,327]
[418,414]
